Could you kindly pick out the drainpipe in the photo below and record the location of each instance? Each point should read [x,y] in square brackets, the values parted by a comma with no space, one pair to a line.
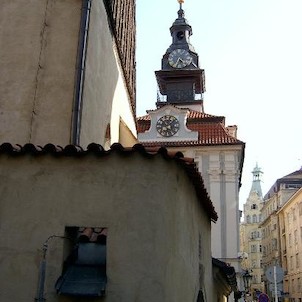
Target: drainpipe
[81,62]
[42,269]
[41,280]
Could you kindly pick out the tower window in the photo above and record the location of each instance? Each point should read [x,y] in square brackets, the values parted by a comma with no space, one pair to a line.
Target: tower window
[254,206]
[180,35]
[254,218]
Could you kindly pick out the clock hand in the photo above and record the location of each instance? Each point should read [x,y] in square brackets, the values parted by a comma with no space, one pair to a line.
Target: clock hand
[179,59]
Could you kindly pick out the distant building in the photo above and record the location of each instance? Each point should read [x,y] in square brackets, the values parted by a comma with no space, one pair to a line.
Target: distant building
[282,190]
[251,245]
[290,228]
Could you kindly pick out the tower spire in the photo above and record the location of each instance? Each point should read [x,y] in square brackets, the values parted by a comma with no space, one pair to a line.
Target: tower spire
[180,78]
[256,185]
[181,12]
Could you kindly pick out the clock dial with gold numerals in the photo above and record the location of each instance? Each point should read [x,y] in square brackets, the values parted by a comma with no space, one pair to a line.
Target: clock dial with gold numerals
[167,125]
[179,58]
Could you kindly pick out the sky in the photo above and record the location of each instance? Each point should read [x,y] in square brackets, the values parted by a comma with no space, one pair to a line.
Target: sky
[251,51]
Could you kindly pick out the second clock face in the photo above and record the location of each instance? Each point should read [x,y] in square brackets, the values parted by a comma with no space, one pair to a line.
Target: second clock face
[167,125]
[179,58]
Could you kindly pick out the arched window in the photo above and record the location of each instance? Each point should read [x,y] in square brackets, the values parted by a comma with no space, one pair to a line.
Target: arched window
[254,218]
[248,219]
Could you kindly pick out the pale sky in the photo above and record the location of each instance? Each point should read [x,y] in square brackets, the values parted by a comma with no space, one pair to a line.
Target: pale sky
[251,51]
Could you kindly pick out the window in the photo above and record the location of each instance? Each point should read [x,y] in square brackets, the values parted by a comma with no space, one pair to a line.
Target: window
[253,248]
[263,233]
[297,261]
[254,218]
[248,219]
[296,237]
[292,186]
[290,239]
[84,270]
[300,208]
[274,244]
[260,248]
[253,206]
[294,214]
[255,279]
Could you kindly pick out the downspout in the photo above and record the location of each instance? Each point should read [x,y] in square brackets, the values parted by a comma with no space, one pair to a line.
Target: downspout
[40,296]
[81,62]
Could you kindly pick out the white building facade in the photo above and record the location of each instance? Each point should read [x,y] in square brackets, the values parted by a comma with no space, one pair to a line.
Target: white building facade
[179,123]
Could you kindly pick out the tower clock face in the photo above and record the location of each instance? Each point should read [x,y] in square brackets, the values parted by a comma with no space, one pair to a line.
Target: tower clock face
[179,58]
[167,125]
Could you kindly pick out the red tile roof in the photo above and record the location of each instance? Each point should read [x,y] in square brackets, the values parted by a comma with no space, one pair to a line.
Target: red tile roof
[71,150]
[211,131]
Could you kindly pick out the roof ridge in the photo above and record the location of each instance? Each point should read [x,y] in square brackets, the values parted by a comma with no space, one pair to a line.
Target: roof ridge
[73,150]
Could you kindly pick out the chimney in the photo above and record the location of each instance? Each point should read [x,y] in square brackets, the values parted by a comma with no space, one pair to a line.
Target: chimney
[232,130]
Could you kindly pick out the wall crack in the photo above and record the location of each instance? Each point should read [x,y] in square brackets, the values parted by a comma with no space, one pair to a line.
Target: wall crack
[43,42]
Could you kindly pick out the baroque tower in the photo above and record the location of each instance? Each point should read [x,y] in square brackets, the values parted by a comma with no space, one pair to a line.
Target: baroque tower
[251,245]
[180,123]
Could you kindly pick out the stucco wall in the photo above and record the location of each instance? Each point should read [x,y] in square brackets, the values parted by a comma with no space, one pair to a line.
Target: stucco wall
[38,71]
[149,207]
[220,168]
[105,94]
[39,40]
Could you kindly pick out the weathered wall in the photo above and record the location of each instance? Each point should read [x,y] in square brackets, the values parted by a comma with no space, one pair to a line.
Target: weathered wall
[38,72]
[153,217]
[105,98]
[39,40]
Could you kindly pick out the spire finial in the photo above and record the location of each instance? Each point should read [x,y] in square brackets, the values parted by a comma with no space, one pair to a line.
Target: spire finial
[180,3]
[181,13]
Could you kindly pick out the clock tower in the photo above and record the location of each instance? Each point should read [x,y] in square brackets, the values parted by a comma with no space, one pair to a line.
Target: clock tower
[179,123]
[180,78]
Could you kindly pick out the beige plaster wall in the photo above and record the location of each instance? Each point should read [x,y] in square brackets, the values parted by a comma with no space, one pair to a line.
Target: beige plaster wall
[105,94]
[220,168]
[154,222]
[38,62]
[39,40]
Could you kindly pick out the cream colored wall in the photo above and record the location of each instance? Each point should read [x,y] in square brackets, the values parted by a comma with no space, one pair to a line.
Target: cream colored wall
[291,221]
[149,207]
[39,41]
[105,94]
[38,59]
[220,169]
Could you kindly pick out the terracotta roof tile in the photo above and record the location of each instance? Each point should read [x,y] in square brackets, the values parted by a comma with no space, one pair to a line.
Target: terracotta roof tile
[71,150]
